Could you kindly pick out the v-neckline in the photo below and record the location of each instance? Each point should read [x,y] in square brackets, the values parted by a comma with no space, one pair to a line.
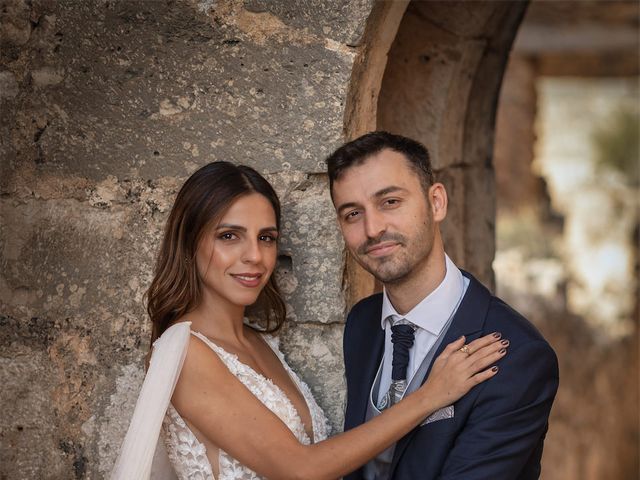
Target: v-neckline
[312,438]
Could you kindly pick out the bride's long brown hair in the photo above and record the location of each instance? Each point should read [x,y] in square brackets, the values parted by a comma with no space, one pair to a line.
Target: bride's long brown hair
[201,202]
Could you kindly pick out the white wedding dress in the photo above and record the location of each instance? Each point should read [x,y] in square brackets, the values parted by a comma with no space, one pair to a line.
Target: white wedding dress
[187,457]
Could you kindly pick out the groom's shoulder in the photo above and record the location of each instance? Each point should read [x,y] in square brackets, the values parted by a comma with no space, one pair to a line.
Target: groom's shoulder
[367,307]
[502,317]
[523,335]
[506,319]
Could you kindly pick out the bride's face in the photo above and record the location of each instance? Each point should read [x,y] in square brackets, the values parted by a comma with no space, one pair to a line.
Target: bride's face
[236,257]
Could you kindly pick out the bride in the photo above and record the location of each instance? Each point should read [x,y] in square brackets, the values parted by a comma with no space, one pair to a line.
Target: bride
[218,392]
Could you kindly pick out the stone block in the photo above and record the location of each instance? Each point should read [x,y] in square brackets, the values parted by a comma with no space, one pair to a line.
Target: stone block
[64,256]
[426,85]
[453,227]
[28,382]
[104,431]
[342,21]
[479,238]
[310,267]
[315,353]
[165,87]
[8,85]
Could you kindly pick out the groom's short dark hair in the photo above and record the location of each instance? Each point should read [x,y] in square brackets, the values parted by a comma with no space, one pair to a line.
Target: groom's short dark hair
[357,151]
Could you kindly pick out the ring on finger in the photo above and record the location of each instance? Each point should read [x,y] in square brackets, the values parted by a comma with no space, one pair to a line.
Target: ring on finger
[465,349]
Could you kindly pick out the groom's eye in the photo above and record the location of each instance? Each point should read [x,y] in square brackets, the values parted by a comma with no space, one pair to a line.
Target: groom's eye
[351,215]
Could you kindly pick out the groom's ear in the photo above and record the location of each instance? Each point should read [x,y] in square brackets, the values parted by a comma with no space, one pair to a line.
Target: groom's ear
[438,201]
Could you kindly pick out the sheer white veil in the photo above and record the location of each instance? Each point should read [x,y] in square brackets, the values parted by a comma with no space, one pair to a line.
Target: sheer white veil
[142,455]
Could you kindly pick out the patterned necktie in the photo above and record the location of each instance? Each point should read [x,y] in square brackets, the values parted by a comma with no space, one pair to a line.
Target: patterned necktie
[402,336]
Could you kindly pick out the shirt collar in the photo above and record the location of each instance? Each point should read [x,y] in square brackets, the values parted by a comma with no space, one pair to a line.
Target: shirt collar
[434,310]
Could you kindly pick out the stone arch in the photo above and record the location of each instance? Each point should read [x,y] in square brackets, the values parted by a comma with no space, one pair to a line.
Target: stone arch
[432,71]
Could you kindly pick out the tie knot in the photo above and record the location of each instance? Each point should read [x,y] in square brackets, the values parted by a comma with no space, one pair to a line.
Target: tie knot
[395,319]
[401,324]
[402,336]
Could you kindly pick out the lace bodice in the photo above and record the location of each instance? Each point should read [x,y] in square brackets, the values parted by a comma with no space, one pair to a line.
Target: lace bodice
[189,457]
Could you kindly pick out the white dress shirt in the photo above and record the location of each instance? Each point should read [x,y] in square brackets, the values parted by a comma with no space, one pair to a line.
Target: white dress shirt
[430,316]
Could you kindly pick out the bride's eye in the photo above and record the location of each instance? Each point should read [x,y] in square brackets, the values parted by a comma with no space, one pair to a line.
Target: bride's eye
[268,238]
[227,236]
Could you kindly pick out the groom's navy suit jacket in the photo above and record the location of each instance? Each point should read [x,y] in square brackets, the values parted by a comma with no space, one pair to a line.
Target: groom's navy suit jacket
[498,427]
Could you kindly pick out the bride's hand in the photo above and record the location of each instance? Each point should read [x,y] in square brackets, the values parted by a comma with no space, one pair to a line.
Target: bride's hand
[459,368]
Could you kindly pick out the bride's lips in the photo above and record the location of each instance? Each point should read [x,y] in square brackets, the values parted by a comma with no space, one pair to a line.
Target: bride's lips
[381,249]
[250,280]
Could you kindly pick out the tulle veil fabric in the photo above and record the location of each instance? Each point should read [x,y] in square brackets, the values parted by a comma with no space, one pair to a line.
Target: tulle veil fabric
[142,455]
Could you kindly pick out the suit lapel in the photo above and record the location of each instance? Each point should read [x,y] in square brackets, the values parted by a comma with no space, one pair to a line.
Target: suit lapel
[468,320]
[470,316]
[367,357]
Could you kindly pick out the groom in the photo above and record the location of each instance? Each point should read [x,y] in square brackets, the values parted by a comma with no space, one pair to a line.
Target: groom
[389,209]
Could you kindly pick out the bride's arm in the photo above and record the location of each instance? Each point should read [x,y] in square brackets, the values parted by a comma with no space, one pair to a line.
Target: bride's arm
[221,408]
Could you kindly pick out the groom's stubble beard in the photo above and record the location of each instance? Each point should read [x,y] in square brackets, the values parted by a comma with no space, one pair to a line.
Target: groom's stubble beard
[398,267]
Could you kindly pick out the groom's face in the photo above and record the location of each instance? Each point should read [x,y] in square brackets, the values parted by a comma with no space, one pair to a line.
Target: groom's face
[385,216]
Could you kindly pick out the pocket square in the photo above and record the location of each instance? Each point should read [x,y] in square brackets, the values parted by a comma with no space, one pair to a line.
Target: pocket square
[442,414]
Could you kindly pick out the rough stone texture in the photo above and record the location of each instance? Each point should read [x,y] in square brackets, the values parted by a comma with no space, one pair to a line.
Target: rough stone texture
[310,345]
[8,85]
[343,23]
[309,231]
[166,87]
[72,283]
[27,407]
[515,137]
[100,429]
[453,226]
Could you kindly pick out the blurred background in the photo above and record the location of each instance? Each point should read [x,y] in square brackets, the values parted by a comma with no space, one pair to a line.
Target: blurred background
[567,157]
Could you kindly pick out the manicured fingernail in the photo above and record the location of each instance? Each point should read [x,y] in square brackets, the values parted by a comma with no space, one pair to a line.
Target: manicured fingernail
[502,350]
[504,342]
[497,334]
[461,337]
[494,369]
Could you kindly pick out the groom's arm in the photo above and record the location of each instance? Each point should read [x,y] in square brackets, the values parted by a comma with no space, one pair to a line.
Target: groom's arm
[509,418]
